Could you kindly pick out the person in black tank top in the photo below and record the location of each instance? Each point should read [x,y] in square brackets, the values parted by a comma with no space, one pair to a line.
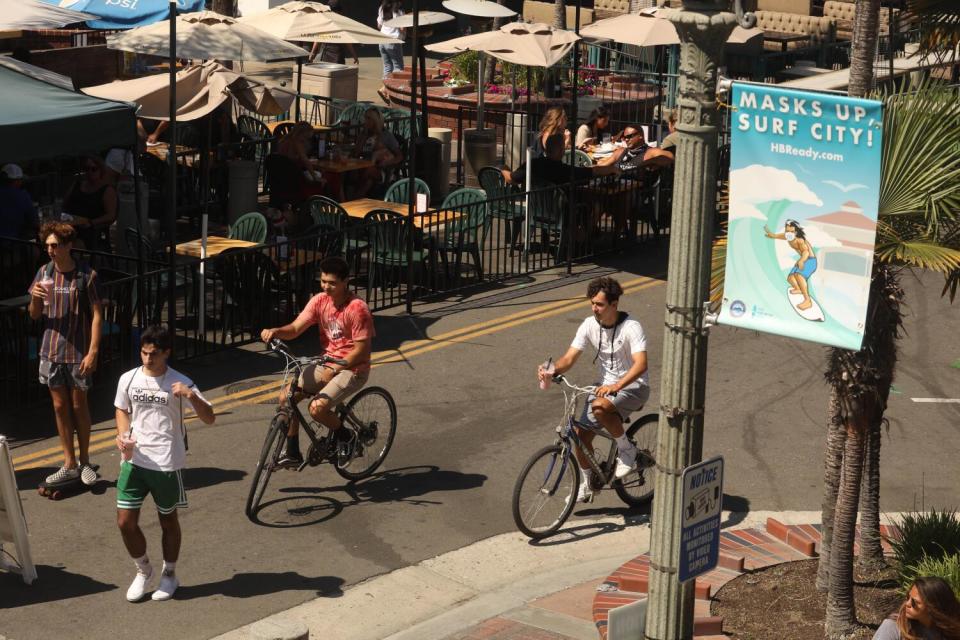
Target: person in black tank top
[92,201]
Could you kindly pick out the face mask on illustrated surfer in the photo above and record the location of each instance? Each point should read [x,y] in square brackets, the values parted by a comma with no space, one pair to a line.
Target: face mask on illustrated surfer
[790,236]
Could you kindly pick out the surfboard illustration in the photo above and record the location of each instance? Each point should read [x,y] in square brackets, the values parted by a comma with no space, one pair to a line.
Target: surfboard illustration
[813,314]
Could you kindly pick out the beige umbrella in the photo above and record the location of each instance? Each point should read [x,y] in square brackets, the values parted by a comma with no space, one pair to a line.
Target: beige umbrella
[649,31]
[200,90]
[315,22]
[206,35]
[532,45]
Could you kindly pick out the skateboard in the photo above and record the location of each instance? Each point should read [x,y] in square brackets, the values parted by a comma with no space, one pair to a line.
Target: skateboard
[64,489]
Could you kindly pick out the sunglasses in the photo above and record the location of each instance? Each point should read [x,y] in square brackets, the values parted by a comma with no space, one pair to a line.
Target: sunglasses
[53,245]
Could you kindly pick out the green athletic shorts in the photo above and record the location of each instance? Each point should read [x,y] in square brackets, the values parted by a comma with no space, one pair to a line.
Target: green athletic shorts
[166,487]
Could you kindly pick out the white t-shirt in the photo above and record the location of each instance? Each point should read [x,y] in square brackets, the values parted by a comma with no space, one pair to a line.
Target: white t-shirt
[393,32]
[614,347]
[156,417]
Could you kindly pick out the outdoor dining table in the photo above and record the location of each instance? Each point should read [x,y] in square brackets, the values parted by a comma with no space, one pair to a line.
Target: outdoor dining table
[784,38]
[187,156]
[358,209]
[319,128]
[215,246]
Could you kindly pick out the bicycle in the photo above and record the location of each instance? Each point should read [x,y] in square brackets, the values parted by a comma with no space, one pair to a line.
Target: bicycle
[546,490]
[370,416]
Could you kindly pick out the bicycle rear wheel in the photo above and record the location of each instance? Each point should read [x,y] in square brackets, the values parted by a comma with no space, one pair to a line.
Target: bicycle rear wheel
[372,415]
[546,492]
[637,488]
[269,454]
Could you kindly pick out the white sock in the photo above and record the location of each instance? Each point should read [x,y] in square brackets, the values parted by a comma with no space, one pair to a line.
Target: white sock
[169,568]
[143,565]
[624,444]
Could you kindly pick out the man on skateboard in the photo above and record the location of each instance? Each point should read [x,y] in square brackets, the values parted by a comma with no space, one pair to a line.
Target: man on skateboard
[64,294]
[152,440]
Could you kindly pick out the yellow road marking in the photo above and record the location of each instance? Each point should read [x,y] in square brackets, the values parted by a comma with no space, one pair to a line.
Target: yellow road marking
[105,440]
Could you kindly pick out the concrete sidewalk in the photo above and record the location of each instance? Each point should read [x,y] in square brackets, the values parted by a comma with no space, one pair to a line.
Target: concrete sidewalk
[503,588]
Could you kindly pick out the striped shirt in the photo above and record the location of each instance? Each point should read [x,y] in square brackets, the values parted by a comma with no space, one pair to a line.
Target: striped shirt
[67,321]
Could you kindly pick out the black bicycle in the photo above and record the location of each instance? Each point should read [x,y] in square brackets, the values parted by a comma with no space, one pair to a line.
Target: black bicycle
[546,490]
[370,416]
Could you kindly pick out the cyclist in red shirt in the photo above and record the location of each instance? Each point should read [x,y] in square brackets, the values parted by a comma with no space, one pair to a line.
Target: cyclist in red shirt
[346,332]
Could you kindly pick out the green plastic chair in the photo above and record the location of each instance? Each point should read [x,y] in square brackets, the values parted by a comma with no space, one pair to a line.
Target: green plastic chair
[352,115]
[505,203]
[388,244]
[582,158]
[324,211]
[251,227]
[467,231]
[548,209]
[399,191]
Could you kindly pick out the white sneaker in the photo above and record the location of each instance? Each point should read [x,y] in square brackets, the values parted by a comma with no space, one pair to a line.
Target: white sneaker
[585,493]
[168,584]
[139,586]
[626,463]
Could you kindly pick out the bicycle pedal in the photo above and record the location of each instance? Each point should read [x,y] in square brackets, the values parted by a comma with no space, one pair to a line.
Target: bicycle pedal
[302,465]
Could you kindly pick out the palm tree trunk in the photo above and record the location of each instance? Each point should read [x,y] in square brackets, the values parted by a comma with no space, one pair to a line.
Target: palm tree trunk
[866,30]
[841,616]
[871,551]
[833,459]
[560,14]
[225,7]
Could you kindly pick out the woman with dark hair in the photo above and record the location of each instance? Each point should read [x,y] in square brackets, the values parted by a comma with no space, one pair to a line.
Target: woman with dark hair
[930,612]
[92,204]
[390,54]
[591,132]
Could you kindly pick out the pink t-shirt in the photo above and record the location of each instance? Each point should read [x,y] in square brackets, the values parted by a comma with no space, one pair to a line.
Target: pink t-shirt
[340,327]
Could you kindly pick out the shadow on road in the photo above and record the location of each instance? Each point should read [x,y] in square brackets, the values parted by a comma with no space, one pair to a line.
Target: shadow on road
[304,505]
[738,506]
[202,477]
[629,517]
[249,585]
[53,584]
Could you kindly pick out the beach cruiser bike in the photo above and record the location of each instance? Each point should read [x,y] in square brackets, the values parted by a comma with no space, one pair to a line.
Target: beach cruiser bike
[546,490]
[370,416]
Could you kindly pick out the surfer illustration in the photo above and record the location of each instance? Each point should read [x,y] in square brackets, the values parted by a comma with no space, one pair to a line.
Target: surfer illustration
[799,276]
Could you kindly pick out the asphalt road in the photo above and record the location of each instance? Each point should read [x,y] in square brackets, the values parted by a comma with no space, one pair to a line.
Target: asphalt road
[470,415]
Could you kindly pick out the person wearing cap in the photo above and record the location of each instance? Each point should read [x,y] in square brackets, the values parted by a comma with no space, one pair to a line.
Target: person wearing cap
[18,217]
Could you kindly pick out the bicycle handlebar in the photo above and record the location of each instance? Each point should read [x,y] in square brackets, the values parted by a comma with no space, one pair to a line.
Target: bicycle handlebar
[278,346]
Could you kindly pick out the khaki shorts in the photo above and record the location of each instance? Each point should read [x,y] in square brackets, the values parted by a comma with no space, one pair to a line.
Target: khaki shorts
[342,386]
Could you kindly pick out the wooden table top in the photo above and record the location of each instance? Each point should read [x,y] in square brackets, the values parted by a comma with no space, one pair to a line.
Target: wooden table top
[785,36]
[188,156]
[316,127]
[342,166]
[215,246]
[360,208]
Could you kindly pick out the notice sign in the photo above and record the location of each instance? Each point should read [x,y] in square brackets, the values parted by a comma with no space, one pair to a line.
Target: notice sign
[804,192]
[13,525]
[700,524]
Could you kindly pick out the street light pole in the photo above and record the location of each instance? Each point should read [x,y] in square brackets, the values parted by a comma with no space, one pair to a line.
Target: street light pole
[703,28]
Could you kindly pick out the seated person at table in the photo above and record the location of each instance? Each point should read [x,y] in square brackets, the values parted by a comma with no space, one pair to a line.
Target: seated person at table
[92,203]
[552,169]
[591,132]
[554,122]
[150,131]
[18,218]
[670,142]
[380,146]
[294,145]
[639,153]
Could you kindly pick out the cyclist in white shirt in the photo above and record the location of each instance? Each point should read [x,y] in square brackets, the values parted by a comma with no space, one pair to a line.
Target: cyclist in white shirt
[624,387]
[152,438]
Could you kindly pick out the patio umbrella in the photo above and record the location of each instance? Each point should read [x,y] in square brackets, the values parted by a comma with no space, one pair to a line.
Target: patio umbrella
[531,45]
[125,14]
[200,90]
[645,30]
[314,22]
[39,73]
[204,35]
[33,15]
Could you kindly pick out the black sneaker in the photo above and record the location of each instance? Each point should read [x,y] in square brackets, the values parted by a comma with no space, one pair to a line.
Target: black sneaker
[290,457]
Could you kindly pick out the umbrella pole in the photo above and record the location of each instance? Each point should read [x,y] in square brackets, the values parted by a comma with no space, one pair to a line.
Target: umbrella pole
[296,109]
[172,161]
[411,174]
[575,91]
[138,213]
[204,219]
[481,74]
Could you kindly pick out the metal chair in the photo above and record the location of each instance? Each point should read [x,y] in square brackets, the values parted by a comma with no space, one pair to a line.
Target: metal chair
[251,227]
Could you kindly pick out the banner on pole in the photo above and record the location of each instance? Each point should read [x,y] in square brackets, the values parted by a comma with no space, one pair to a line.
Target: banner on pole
[804,192]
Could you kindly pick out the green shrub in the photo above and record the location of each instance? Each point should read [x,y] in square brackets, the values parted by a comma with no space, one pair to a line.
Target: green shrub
[947,567]
[465,66]
[926,536]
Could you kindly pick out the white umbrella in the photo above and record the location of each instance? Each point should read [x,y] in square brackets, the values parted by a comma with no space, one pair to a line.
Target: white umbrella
[645,30]
[33,15]
[315,22]
[531,45]
[206,35]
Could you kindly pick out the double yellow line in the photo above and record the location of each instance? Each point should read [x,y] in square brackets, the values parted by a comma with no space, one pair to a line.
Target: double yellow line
[103,440]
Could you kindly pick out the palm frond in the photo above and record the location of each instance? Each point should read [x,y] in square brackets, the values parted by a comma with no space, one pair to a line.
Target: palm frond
[926,255]
[718,266]
[938,22]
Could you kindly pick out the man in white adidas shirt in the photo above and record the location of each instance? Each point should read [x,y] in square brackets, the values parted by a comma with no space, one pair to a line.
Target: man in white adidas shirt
[624,387]
[149,407]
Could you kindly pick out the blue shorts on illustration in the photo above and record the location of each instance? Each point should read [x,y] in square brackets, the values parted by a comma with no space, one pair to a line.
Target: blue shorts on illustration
[808,268]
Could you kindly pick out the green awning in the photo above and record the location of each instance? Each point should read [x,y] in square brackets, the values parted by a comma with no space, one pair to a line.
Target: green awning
[41,120]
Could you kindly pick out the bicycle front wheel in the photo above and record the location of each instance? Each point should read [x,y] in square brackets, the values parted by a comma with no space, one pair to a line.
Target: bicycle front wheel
[269,454]
[637,488]
[546,492]
[372,415]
